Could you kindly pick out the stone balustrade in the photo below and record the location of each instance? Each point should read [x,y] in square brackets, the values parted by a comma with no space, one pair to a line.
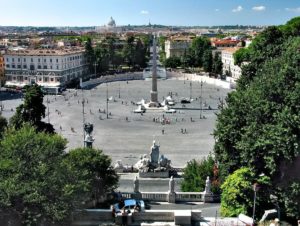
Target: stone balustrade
[179,196]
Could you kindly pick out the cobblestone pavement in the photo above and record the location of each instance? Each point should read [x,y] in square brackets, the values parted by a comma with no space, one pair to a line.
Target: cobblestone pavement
[126,135]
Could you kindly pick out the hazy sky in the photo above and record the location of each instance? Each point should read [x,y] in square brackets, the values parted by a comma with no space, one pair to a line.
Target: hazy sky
[167,12]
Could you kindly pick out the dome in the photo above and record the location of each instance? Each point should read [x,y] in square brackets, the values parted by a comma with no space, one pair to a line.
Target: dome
[111,23]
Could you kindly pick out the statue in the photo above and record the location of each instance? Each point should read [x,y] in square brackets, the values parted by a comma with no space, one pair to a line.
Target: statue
[164,162]
[207,186]
[143,163]
[136,185]
[171,185]
[154,154]
[88,140]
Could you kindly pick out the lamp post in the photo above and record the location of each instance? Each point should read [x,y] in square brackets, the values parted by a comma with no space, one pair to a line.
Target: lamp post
[95,64]
[255,189]
[191,89]
[106,100]
[119,90]
[201,105]
[83,119]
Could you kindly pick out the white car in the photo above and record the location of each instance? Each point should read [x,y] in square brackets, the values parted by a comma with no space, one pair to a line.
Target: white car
[140,109]
[169,110]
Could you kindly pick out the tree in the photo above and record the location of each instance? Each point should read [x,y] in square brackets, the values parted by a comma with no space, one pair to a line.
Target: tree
[35,184]
[217,67]
[3,125]
[237,193]
[99,170]
[172,62]
[90,55]
[207,61]
[195,174]
[128,51]
[259,127]
[198,47]
[32,110]
[102,57]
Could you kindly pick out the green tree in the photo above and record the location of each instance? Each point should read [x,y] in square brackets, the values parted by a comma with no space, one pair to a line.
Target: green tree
[237,193]
[3,125]
[207,61]
[173,62]
[35,184]
[89,55]
[198,47]
[195,174]
[100,173]
[102,57]
[129,51]
[259,126]
[217,67]
[32,110]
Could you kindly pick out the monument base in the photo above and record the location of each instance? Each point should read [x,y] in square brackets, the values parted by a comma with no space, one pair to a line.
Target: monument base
[163,174]
[153,105]
[171,197]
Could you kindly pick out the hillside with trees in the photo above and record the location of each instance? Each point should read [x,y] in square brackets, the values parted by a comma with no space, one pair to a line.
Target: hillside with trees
[259,127]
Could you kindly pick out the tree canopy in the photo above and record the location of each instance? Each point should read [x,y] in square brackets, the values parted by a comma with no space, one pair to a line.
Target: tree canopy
[40,183]
[32,110]
[260,125]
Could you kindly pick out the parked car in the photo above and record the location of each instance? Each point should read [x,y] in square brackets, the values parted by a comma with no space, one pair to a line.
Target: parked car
[130,205]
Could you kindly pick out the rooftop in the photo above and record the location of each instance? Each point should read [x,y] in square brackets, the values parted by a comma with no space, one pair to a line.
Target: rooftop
[45,52]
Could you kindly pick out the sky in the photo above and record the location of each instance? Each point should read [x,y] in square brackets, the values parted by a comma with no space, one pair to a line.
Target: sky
[140,12]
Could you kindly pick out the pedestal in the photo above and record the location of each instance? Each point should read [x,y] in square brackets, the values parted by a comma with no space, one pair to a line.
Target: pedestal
[171,197]
[137,195]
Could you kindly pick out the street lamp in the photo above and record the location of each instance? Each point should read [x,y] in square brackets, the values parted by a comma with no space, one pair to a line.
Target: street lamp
[95,64]
[191,90]
[83,119]
[201,105]
[255,189]
[106,100]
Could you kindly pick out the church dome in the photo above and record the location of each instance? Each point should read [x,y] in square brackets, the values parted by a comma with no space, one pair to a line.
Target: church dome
[111,23]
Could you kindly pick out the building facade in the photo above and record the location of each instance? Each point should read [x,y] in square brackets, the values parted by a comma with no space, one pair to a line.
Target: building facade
[46,67]
[176,46]
[2,69]
[229,68]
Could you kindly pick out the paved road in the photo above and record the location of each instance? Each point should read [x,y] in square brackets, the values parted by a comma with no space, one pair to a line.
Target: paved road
[208,209]
[127,140]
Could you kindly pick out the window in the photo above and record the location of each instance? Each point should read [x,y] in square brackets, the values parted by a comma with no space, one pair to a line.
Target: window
[57,67]
[39,60]
[19,59]
[50,60]
[39,67]
[51,67]
[19,66]
[45,66]
[51,79]
[13,66]
[13,59]
[7,65]
[40,79]
[24,66]
[56,60]
[46,79]
[45,60]
[25,78]
[32,67]
[24,60]
[7,59]
[31,59]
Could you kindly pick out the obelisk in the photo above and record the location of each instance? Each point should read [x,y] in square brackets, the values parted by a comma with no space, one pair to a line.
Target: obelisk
[154,100]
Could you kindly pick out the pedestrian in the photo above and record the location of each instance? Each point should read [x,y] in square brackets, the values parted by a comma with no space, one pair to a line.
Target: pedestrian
[181,130]
[163,131]
[184,130]
[60,128]
[124,217]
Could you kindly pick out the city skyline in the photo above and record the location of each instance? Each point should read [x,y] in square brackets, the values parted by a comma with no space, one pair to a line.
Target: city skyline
[141,12]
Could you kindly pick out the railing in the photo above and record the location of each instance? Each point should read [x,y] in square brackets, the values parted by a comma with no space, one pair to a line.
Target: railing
[179,196]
